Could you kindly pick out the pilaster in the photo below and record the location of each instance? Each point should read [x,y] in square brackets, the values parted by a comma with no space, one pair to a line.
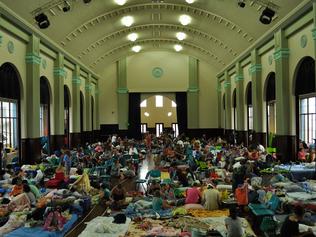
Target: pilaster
[193,93]
[122,94]
[228,102]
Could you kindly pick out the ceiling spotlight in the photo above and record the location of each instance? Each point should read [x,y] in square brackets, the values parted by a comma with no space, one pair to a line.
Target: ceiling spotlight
[146,114]
[190,1]
[120,2]
[132,37]
[136,48]
[169,114]
[42,21]
[178,47]
[241,3]
[266,16]
[181,36]
[86,1]
[127,21]
[66,7]
[185,20]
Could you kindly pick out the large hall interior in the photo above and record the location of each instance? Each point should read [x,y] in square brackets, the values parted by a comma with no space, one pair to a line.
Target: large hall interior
[179,118]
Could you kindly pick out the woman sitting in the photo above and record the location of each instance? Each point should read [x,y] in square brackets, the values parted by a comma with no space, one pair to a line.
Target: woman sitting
[158,203]
[58,179]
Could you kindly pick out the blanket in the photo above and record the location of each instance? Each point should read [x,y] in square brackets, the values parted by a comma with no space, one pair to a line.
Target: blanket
[103,227]
[40,232]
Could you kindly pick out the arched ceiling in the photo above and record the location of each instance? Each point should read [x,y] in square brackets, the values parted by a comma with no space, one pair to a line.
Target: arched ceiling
[219,31]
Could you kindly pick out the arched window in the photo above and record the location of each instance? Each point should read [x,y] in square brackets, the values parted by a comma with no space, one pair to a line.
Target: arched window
[249,106]
[44,113]
[66,115]
[10,106]
[270,98]
[306,100]
[234,109]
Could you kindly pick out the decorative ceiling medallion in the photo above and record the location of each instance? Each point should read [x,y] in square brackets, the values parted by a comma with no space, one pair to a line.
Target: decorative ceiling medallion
[157,72]
[10,47]
[303,41]
[270,59]
[44,63]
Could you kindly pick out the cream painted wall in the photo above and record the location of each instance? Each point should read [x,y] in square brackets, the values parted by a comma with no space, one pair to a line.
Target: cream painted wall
[175,72]
[18,59]
[159,115]
[268,66]
[208,96]
[108,96]
[296,54]
[48,72]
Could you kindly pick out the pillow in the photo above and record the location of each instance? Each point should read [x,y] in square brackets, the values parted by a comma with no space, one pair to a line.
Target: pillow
[193,206]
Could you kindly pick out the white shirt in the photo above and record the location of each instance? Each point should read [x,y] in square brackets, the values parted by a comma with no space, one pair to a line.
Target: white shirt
[39,176]
[113,140]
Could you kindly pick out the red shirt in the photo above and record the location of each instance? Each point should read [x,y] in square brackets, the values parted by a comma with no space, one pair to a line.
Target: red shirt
[193,196]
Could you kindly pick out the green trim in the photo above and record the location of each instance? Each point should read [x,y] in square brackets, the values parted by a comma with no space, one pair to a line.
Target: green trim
[16,32]
[122,90]
[239,78]
[299,24]
[76,80]
[33,58]
[254,68]
[88,88]
[266,48]
[193,90]
[314,33]
[281,53]
[59,72]
[227,84]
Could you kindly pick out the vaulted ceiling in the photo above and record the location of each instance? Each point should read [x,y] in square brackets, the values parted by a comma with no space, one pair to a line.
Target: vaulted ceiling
[93,32]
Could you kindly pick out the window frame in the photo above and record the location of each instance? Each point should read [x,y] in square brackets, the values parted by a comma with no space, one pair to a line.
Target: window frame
[306,135]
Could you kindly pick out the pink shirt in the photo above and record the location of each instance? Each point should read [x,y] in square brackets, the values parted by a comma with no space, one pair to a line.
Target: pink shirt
[193,196]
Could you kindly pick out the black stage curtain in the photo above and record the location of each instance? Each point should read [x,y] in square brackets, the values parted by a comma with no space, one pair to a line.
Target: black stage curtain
[134,116]
[182,114]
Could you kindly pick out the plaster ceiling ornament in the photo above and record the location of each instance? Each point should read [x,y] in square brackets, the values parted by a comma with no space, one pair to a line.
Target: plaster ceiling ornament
[157,72]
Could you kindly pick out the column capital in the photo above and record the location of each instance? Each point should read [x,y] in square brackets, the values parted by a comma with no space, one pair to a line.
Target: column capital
[59,71]
[281,53]
[227,84]
[239,77]
[33,58]
[88,87]
[122,90]
[254,68]
[314,33]
[193,90]
[76,80]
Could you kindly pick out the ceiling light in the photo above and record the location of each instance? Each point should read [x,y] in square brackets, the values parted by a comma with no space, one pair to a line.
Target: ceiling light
[169,114]
[241,3]
[42,21]
[190,1]
[120,2]
[146,114]
[178,47]
[86,1]
[66,7]
[181,36]
[266,16]
[127,21]
[185,20]
[132,37]
[136,48]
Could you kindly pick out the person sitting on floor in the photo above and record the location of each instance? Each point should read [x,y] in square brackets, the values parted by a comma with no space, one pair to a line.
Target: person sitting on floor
[129,172]
[30,195]
[17,186]
[193,195]
[211,198]
[301,155]
[58,179]
[154,186]
[118,196]
[158,203]
[233,224]
[115,169]
[290,227]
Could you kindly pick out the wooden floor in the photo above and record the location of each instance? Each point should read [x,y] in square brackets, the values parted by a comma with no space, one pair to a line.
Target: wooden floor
[100,209]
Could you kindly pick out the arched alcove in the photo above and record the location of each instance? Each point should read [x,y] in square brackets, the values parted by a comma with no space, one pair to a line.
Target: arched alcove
[270,98]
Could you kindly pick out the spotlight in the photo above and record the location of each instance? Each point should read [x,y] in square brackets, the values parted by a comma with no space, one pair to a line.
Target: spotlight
[66,7]
[266,16]
[42,21]
[86,1]
[241,3]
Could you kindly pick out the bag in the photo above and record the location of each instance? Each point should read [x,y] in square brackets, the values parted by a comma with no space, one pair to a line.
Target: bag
[241,194]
